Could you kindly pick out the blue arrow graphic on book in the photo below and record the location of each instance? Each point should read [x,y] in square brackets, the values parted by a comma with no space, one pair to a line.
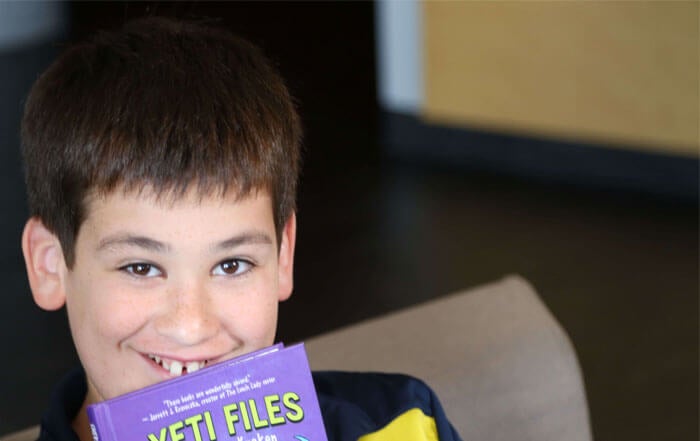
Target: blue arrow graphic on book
[301,438]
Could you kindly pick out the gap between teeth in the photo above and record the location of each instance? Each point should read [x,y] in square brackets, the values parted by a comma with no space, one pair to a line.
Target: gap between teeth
[176,367]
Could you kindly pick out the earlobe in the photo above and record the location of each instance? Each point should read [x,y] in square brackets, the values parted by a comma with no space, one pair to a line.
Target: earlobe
[43,258]
[286,258]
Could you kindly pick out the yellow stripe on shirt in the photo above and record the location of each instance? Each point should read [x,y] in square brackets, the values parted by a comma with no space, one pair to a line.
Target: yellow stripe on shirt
[412,425]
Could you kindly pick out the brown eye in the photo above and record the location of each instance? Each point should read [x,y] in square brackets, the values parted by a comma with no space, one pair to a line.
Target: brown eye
[233,267]
[230,267]
[141,270]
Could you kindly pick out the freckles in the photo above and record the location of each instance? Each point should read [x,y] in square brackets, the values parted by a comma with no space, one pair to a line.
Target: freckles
[253,314]
[119,318]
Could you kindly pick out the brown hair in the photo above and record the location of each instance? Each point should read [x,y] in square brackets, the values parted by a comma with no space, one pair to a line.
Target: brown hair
[161,103]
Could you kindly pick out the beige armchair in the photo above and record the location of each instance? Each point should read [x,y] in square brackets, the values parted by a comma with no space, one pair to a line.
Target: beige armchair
[503,367]
[29,434]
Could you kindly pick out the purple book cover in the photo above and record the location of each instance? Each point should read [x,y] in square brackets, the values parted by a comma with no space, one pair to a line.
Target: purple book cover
[265,395]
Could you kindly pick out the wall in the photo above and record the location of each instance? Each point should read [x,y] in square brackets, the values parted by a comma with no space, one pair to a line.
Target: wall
[617,73]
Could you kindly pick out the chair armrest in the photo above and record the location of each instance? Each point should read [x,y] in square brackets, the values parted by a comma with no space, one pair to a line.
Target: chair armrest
[29,434]
[502,366]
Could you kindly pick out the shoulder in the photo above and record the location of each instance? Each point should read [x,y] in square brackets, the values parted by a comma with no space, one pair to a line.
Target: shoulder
[379,406]
[64,403]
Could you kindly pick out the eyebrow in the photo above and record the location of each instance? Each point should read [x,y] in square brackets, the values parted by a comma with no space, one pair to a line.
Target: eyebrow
[126,240]
[254,238]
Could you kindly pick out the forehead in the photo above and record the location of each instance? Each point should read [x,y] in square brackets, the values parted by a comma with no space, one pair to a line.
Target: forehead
[187,211]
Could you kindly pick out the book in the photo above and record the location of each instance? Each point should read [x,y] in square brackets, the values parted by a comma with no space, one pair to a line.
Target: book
[267,395]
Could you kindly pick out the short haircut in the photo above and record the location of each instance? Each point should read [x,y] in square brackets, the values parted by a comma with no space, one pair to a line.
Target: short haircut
[163,104]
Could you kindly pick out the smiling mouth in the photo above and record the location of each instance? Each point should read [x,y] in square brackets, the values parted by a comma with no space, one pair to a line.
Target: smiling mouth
[176,367]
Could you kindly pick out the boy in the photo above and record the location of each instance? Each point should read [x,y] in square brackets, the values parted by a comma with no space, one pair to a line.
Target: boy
[161,164]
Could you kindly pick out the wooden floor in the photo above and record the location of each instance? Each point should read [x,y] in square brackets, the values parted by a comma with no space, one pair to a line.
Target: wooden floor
[619,271]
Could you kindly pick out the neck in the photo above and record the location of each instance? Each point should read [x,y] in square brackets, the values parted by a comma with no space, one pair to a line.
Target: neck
[81,424]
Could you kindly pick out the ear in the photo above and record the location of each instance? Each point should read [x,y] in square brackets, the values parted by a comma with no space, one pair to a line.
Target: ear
[286,258]
[44,260]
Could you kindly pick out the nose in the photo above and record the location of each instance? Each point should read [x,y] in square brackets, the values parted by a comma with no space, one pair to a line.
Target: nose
[189,317]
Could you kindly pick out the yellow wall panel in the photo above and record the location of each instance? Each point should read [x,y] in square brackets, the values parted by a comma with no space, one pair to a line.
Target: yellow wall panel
[617,72]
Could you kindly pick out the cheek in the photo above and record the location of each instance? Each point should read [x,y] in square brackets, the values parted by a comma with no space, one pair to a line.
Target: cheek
[102,318]
[250,314]
[102,313]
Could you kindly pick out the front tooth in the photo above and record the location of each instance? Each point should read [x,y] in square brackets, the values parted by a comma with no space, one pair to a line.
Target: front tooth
[192,366]
[176,368]
[166,365]
[157,359]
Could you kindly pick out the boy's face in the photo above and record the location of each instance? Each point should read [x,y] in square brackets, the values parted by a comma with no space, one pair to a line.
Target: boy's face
[160,289]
